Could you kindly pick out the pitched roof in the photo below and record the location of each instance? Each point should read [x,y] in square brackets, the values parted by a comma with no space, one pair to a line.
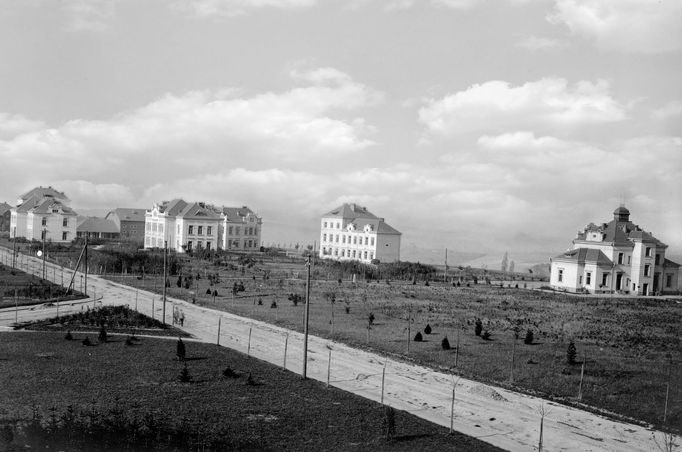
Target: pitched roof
[670,264]
[47,205]
[42,192]
[4,207]
[351,211]
[620,231]
[198,210]
[172,208]
[128,214]
[586,256]
[385,228]
[236,214]
[96,224]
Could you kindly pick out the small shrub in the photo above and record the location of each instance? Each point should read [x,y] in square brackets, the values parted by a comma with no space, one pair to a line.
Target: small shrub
[215,293]
[370,318]
[68,336]
[347,309]
[260,302]
[445,343]
[529,337]
[250,381]
[185,377]
[486,335]
[273,305]
[130,341]
[86,341]
[427,330]
[229,373]
[180,350]
[418,337]
[571,353]
[478,328]
[208,291]
[102,337]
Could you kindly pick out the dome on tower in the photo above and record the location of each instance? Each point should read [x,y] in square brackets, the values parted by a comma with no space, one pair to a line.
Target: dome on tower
[621,214]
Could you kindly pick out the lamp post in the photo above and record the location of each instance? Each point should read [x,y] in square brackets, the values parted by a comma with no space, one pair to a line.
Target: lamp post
[307,313]
[165,248]
[44,234]
[14,248]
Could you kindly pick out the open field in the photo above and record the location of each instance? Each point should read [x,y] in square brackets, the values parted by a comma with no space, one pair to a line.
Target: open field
[29,289]
[136,388]
[627,343]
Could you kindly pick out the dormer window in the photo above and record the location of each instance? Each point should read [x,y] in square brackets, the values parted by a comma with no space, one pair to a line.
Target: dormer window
[350,227]
[369,228]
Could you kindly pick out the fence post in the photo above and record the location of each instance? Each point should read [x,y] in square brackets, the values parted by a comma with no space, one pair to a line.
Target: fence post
[286,343]
[219,322]
[329,366]
[383,379]
[248,347]
[452,405]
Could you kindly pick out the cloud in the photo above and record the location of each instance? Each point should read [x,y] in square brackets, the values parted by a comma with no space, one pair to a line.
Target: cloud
[629,26]
[88,15]
[198,132]
[13,125]
[539,43]
[88,194]
[669,110]
[232,8]
[498,104]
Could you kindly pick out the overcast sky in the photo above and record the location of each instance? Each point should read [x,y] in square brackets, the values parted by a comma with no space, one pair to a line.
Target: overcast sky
[472,124]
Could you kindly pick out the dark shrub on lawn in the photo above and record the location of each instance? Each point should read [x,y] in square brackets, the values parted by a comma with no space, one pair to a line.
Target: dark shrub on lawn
[347,309]
[229,373]
[445,343]
[68,336]
[130,341]
[86,341]
[215,293]
[570,353]
[478,328]
[427,330]
[529,337]
[185,377]
[102,337]
[418,337]
[486,335]
[180,349]
[273,305]
[208,291]
[260,302]
[370,318]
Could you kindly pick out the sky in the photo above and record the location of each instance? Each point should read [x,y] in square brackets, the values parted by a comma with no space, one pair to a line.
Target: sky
[473,125]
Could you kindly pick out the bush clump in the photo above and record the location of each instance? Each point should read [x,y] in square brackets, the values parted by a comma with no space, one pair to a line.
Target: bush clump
[571,353]
[180,350]
[87,342]
[478,328]
[529,337]
[418,337]
[486,335]
[68,336]
[427,330]
[445,343]
[185,377]
[102,337]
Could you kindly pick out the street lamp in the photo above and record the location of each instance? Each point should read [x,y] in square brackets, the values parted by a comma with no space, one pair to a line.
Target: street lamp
[307,314]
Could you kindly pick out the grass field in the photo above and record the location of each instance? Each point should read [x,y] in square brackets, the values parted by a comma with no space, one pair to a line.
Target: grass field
[136,389]
[30,289]
[627,343]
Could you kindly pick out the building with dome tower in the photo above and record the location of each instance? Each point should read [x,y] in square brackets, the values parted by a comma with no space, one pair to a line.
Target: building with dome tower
[615,257]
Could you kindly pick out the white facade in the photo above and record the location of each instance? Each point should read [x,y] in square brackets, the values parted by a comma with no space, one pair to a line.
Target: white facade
[351,232]
[240,229]
[615,257]
[43,213]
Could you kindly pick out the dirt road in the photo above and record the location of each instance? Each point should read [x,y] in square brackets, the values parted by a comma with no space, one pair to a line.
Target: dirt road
[506,419]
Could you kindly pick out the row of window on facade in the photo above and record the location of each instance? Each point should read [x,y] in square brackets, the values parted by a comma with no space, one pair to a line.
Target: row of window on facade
[333,225]
[352,254]
[237,230]
[334,238]
[648,252]
[65,222]
[605,278]
[158,243]
[43,235]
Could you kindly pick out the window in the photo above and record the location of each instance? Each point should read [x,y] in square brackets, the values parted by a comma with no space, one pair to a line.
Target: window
[647,270]
[365,254]
[190,230]
[604,279]
[343,239]
[366,240]
[200,230]
[178,229]
[588,278]
[65,223]
[64,235]
[560,276]
[208,245]
[236,230]
[161,228]
[647,252]
[189,244]
[44,221]
[658,259]
[147,241]
[324,237]
[580,280]
[325,224]
[629,259]
[353,254]
[148,227]
[371,242]
[355,241]
[620,258]
[208,230]
[43,234]
[343,253]
[668,280]
[337,238]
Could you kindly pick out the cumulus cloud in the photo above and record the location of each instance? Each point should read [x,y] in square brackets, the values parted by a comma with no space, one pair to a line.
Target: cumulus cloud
[197,132]
[88,15]
[232,8]
[669,110]
[630,26]
[12,125]
[548,101]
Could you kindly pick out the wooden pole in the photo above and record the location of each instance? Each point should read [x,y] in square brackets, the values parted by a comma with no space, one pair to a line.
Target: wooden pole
[86,265]
[307,314]
[329,366]
[409,332]
[153,307]
[16,307]
[667,391]
[165,248]
[383,379]
[457,351]
[286,343]
[136,298]
[219,322]
[511,369]
[248,347]
[452,406]
[582,373]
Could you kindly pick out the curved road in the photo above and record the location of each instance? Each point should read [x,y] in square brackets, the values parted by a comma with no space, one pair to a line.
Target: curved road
[503,418]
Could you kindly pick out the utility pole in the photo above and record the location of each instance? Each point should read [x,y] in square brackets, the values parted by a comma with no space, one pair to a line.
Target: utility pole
[445,274]
[86,265]
[14,248]
[44,234]
[165,247]
[307,314]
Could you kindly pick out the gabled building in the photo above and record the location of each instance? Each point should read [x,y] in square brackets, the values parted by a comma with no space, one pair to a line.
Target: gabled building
[5,216]
[351,232]
[97,228]
[240,229]
[615,257]
[185,226]
[43,213]
[129,222]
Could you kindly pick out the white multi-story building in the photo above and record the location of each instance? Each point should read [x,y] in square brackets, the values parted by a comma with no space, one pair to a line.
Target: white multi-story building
[240,229]
[191,226]
[43,213]
[351,232]
[615,257]
[184,226]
